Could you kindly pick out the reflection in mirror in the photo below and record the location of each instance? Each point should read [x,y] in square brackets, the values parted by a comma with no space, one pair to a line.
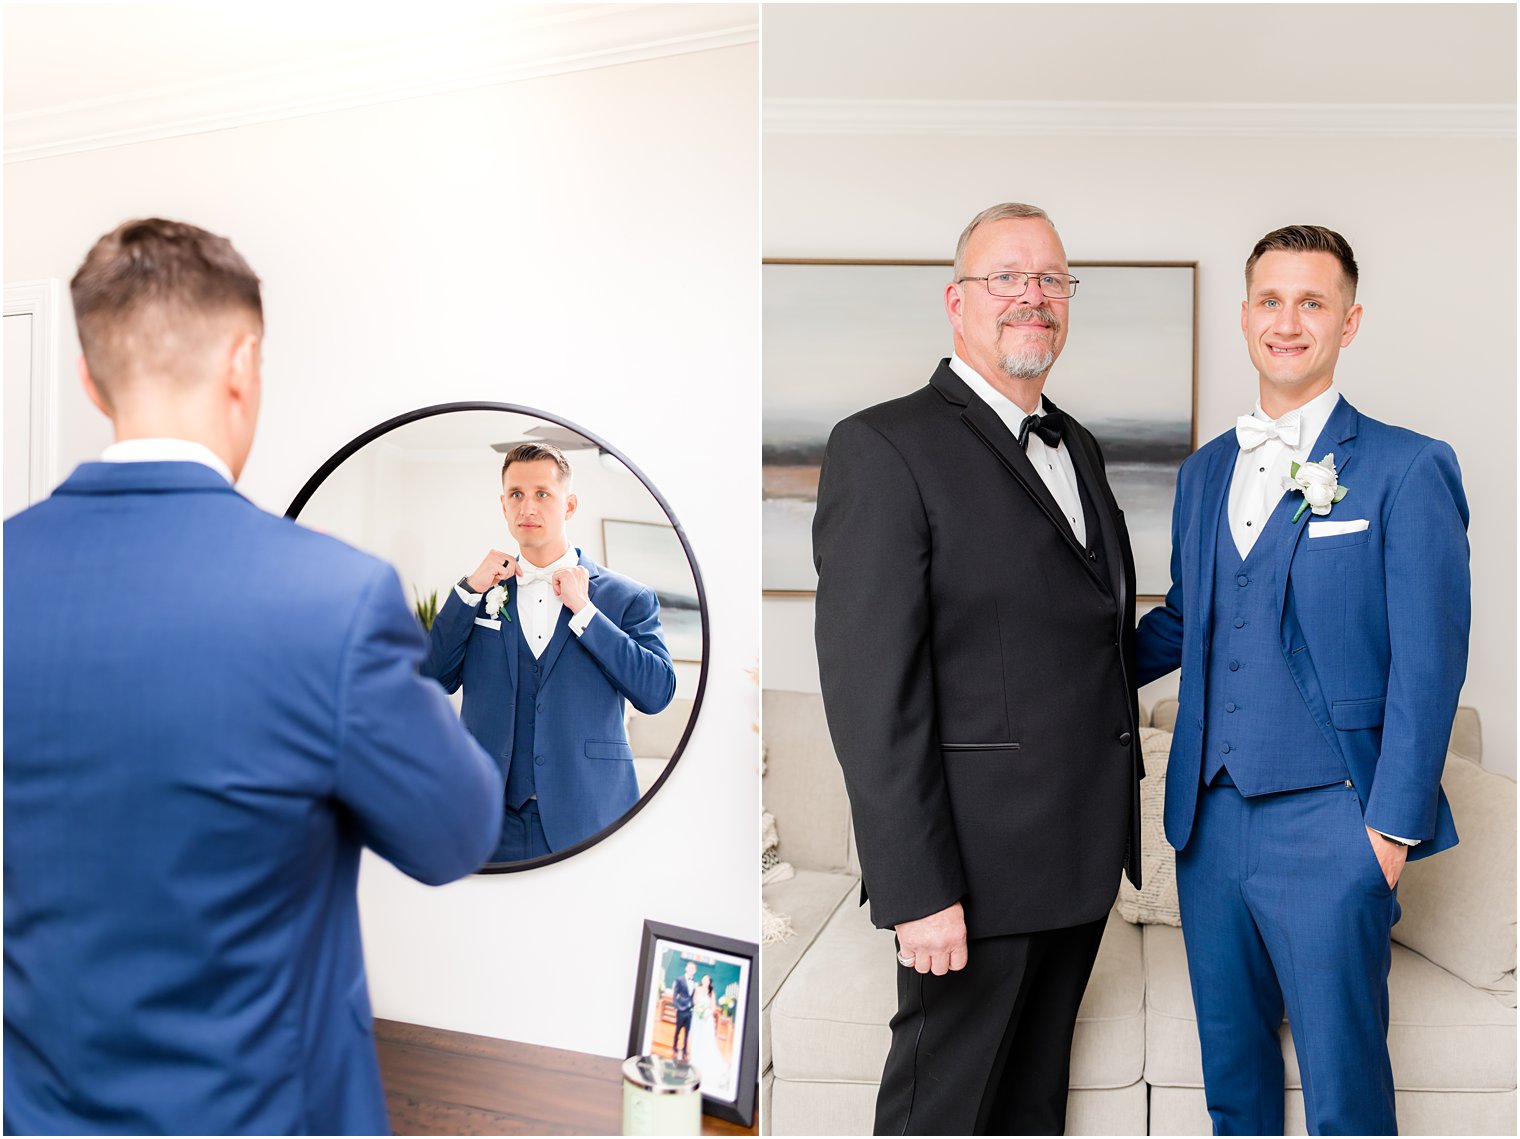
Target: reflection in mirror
[564,615]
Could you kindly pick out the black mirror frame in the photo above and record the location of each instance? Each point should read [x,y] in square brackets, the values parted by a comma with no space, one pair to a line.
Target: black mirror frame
[348,449]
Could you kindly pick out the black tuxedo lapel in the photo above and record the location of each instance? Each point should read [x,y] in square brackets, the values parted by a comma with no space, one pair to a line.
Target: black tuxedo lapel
[1096,492]
[987,426]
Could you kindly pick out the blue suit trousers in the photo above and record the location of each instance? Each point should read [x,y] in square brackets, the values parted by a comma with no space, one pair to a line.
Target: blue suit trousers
[1285,908]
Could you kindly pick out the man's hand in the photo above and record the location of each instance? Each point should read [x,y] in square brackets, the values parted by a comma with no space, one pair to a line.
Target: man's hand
[1390,856]
[495,567]
[573,587]
[937,943]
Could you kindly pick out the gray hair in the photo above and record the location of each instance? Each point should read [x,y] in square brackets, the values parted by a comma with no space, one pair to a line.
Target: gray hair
[999,212]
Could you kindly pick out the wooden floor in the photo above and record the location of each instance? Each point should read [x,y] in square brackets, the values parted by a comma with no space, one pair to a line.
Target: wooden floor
[451,1083]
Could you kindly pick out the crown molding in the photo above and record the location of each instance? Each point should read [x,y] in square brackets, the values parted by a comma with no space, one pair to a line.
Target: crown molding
[998,117]
[578,38]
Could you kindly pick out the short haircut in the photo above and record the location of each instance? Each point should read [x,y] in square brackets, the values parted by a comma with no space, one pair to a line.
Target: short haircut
[532,453]
[148,291]
[1000,212]
[1306,239]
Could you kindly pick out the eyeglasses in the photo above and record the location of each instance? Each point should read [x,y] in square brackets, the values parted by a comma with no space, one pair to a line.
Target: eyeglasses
[1057,286]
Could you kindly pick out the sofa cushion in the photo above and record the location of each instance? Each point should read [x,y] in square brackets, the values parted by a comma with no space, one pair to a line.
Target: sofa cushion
[829,1021]
[1157,901]
[1459,905]
[809,899]
[1443,1034]
[803,785]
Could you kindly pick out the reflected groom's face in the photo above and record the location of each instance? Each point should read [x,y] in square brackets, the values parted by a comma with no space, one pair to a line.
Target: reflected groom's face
[537,504]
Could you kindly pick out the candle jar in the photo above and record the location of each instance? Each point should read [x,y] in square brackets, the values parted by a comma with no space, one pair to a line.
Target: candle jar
[661,1097]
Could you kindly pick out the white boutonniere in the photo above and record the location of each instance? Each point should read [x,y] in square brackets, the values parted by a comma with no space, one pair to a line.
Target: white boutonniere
[1318,484]
[496,602]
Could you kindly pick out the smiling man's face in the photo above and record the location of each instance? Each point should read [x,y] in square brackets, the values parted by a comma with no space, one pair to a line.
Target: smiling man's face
[1298,314]
[1009,338]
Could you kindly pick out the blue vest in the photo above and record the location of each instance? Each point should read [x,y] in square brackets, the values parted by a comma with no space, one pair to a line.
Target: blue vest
[520,785]
[1256,724]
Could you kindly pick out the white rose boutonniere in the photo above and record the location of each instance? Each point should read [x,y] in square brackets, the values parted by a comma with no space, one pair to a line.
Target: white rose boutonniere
[1318,483]
[496,602]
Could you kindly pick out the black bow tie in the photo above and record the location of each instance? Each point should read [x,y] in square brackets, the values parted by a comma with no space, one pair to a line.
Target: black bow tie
[1047,427]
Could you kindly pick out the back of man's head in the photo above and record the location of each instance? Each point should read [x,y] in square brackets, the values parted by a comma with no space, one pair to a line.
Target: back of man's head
[153,297]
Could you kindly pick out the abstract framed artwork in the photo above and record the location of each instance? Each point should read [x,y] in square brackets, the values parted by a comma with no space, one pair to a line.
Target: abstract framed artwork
[842,335]
[651,552]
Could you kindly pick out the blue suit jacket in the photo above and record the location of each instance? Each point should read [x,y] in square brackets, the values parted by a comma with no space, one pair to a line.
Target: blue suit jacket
[586,781]
[1374,624]
[208,712]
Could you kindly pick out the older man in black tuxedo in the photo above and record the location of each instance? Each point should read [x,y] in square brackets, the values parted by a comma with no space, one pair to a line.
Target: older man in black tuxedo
[975,629]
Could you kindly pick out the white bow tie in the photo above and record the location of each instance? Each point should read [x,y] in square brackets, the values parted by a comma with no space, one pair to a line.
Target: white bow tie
[1251,432]
[532,577]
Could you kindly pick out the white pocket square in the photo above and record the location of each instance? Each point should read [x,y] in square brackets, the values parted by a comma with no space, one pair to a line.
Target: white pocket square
[1326,529]
[490,624]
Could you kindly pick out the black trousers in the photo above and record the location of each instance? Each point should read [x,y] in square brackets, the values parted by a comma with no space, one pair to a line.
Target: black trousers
[987,1050]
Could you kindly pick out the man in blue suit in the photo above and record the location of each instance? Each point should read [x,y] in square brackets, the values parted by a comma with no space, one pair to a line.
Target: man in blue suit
[548,645]
[1319,611]
[209,712]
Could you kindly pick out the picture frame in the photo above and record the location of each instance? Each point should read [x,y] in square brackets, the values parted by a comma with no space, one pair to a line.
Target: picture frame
[840,335]
[723,1028]
[651,554]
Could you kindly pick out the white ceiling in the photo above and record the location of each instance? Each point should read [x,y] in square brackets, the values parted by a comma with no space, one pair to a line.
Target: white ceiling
[1142,53]
[78,76]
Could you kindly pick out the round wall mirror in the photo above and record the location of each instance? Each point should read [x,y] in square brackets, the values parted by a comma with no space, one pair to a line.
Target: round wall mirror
[562,605]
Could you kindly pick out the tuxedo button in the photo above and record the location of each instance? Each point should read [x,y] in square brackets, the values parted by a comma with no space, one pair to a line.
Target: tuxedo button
[540,709]
[1240,622]
[1225,748]
[1234,666]
[1124,738]
[1092,555]
[1242,580]
[1230,707]
[538,759]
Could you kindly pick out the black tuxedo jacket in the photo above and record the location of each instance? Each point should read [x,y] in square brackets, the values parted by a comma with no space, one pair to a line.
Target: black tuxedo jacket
[976,667]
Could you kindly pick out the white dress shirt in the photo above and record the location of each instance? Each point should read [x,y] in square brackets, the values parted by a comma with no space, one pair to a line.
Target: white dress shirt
[538,605]
[165,451]
[1257,485]
[1052,463]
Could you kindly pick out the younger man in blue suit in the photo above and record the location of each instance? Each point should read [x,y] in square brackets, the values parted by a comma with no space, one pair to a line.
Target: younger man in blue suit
[548,645]
[1319,611]
[209,712]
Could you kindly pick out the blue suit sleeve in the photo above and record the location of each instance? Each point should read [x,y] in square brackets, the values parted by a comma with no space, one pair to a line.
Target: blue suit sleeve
[447,640]
[1158,637]
[1429,616]
[631,652]
[425,795]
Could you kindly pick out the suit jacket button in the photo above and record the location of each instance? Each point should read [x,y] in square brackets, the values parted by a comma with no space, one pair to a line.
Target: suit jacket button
[538,759]
[1243,580]
[1234,666]
[1124,738]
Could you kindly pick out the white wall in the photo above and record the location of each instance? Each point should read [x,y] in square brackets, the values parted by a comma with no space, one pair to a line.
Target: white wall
[435,249]
[1439,361]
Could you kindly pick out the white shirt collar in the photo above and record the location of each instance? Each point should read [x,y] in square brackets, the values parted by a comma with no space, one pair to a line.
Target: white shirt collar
[165,451]
[1000,403]
[1312,416]
[571,557]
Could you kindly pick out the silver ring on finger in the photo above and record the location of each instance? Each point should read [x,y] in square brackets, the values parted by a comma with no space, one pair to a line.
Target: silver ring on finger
[905,960]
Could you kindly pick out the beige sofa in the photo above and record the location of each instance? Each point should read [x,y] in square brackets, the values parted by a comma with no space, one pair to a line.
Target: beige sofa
[827,992]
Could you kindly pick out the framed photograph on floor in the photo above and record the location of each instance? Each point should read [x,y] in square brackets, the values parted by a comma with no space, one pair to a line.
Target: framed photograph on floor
[695,1001]
[839,336]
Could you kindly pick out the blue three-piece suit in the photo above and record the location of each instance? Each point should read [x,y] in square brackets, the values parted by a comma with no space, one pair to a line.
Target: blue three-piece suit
[1320,676]
[209,712]
[554,723]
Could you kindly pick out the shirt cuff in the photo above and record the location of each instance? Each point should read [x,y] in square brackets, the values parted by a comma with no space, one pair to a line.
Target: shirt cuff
[1396,838]
[465,595]
[579,621]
